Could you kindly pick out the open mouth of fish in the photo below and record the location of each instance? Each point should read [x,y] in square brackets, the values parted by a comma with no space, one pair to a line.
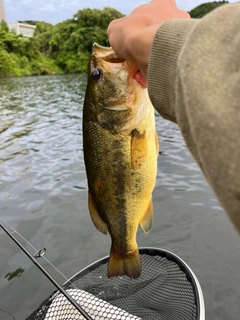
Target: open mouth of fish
[108,55]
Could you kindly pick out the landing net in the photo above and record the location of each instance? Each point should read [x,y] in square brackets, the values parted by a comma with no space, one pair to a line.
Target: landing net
[166,290]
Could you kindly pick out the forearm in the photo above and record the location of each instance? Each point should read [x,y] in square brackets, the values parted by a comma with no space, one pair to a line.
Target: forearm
[194,80]
[162,69]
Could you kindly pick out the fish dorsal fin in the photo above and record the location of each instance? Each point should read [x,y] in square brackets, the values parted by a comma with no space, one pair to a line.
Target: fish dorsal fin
[138,148]
[146,221]
[96,219]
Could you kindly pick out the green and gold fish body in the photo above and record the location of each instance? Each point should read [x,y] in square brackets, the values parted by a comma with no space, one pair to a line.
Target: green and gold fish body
[120,152]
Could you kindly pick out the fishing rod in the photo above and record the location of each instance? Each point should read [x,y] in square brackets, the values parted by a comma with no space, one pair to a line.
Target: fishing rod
[39,254]
[77,78]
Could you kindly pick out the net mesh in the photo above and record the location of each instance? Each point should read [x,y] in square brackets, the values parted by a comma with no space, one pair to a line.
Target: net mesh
[165,291]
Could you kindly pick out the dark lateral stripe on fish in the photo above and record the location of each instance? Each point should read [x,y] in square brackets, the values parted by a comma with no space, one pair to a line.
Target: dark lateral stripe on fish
[120,192]
[138,148]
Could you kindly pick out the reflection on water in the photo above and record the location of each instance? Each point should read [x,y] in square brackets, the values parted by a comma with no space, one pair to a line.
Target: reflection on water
[43,194]
[17,273]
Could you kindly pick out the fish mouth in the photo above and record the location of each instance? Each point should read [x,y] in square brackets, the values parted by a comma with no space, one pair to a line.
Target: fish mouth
[140,79]
[107,54]
[98,48]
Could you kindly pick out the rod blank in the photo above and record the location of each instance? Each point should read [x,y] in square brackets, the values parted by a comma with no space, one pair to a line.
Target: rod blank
[56,284]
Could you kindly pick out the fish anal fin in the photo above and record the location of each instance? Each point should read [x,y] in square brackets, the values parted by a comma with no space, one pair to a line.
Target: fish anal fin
[147,219]
[96,219]
[129,264]
[138,148]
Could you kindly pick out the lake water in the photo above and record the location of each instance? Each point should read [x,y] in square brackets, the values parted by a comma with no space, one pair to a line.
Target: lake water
[43,194]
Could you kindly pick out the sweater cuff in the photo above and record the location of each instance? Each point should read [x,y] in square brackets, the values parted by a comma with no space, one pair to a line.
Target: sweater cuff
[162,69]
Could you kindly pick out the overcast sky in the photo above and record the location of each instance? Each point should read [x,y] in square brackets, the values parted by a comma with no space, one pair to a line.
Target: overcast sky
[55,11]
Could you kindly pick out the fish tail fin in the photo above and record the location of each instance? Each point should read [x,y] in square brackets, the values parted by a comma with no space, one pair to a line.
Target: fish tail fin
[128,264]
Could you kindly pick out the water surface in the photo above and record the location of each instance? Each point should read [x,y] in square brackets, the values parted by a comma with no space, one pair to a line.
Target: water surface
[43,194]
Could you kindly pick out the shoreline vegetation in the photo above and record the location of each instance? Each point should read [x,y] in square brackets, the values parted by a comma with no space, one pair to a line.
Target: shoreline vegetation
[65,47]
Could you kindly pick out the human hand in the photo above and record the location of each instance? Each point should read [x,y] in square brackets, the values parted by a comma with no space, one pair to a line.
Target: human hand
[131,37]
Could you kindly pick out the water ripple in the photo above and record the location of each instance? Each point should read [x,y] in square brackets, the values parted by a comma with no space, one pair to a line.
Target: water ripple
[43,193]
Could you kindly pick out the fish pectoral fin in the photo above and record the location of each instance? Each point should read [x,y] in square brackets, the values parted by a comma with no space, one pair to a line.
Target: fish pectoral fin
[147,219]
[157,145]
[138,148]
[96,219]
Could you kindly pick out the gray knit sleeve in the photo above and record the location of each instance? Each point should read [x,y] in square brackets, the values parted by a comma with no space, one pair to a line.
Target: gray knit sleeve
[194,80]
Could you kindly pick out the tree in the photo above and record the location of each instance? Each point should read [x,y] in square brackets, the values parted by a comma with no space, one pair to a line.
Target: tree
[205,8]
[65,47]
[71,41]
[6,63]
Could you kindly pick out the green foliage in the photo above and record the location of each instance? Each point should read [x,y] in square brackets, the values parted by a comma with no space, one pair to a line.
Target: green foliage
[7,63]
[205,8]
[42,27]
[3,27]
[71,40]
[65,47]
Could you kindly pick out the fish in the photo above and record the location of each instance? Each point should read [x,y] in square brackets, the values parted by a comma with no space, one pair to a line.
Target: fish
[120,148]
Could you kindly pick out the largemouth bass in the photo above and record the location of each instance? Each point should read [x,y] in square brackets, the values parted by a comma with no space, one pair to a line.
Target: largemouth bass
[120,153]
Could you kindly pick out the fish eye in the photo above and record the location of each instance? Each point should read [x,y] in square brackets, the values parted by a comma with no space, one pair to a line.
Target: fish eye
[96,74]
